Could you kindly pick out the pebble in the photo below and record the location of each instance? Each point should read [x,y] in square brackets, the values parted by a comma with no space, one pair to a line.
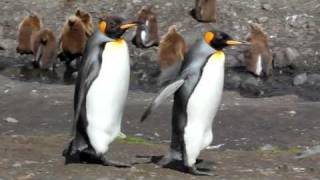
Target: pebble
[16,165]
[267,147]
[267,7]
[300,79]
[11,120]
[292,54]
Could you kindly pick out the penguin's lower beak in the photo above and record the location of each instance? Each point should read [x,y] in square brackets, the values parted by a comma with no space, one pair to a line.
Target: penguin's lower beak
[128,25]
[234,42]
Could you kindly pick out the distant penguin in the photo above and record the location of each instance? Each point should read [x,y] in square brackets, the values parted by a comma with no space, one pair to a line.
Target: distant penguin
[259,56]
[205,10]
[72,41]
[44,47]
[171,53]
[197,95]
[86,20]
[147,33]
[100,94]
[29,25]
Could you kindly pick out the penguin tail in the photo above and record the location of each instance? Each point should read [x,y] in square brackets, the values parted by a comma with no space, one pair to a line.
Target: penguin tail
[164,94]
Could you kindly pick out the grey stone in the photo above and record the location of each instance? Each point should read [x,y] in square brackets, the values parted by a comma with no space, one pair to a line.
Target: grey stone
[11,120]
[234,81]
[280,60]
[251,81]
[300,79]
[267,7]
[314,79]
[262,20]
[267,147]
[292,55]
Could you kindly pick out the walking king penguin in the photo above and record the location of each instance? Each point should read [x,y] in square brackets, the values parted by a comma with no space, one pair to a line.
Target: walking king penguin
[197,94]
[100,94]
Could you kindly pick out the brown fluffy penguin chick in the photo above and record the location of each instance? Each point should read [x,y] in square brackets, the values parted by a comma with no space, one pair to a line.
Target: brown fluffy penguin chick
[73,38]
[205,10]
[258,56]
[29,25]
[44,46]
[172,48]
[147,32]
[86,20]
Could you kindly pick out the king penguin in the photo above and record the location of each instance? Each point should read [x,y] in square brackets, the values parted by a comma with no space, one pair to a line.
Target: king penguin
[197,94]
[100,94]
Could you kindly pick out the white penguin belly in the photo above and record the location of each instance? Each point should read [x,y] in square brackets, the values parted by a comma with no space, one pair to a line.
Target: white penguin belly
[203,105]
[107,95]
[258,66]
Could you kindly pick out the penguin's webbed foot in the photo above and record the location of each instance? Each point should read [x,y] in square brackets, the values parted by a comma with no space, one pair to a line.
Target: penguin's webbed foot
[205,164]
[193,170]
[107,162]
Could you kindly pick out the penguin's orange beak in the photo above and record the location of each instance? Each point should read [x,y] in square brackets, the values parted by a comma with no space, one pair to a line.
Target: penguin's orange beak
[234,42]
[128,26]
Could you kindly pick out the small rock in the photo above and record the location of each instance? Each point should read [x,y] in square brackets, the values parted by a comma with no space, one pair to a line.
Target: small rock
[139,134]
[262,20]
[314,79]
[156,134]
[292,54]
[267,147]
[280,61]
[215,146]
[122,135]
[251,81]
[11,120]
[292,113]
[168,4]
[300,79]
[234,81]
[16,165]
[267,7]
[299,170]
[6,91]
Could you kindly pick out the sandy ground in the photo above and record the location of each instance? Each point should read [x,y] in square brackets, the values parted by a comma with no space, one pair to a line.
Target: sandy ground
[259,137]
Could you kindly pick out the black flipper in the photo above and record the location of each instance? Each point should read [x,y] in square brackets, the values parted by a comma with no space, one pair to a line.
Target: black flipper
[89,70]
[164,94]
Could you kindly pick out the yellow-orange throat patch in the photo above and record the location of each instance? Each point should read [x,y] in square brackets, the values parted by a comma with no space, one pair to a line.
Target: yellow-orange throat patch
[118,42]
[218,56]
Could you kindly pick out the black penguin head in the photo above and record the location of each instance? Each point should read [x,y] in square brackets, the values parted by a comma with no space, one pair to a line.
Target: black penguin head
[219,40]
[114,26]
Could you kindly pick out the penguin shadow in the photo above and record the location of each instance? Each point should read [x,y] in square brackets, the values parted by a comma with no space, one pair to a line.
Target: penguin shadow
[178,165]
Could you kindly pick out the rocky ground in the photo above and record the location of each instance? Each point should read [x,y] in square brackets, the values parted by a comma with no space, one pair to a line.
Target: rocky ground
[255,138]
[265,143]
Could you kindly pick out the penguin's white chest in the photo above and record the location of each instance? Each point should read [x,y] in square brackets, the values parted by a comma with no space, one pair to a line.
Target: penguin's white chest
[107,95]
[205,99]
[204,102]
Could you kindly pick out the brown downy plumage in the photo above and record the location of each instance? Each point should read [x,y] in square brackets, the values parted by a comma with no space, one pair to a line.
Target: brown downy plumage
[44,47]
[258,56]
[205,10]
[147,32]
[86,20]
[73,37]
[172,48]
[29,26]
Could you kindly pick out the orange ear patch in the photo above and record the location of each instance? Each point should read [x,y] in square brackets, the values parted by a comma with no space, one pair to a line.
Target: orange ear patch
[102,26]
[208,37]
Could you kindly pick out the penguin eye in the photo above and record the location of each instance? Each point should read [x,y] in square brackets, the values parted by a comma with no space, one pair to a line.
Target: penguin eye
[103,26]
[208,37]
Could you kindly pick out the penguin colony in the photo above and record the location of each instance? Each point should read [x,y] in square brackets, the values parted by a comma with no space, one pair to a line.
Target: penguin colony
[195,77]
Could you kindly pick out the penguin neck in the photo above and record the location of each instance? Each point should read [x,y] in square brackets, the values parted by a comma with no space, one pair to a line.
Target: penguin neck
[218,56]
